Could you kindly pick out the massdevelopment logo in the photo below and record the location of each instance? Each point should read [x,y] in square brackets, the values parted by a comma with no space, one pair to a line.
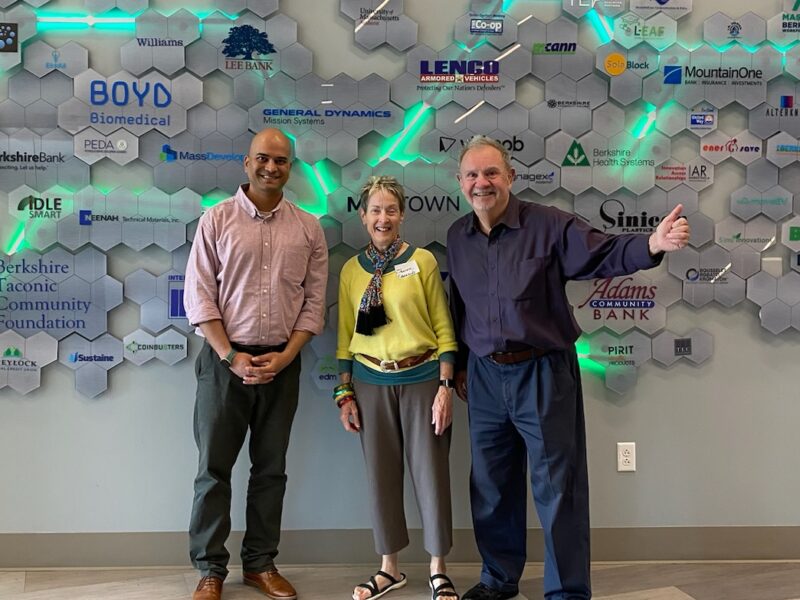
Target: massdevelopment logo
[243,42]
[41,208]
[9,37]
[169,155]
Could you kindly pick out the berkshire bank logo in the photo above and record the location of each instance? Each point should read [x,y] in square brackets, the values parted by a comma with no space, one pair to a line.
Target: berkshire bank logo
[241,44]
[9,37]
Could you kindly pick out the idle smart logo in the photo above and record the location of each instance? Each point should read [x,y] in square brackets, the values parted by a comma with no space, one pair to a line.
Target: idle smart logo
[620,299]
[9,37]
[554,48]
[790,20]
[486,25]
[169,155]
[242,43]
[14,360]
[315,116]
[56,62]
[459,71]
[617,220]
[41,208]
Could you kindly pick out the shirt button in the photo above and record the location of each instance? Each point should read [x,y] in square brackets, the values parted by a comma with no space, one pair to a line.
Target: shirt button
[266,267]
[266,243]
[265,314]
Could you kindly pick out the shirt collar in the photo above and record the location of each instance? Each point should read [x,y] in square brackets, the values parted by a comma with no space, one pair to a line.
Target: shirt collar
[247,205]
[510,217]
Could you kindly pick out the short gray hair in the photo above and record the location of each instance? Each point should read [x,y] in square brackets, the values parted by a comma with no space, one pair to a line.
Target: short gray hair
[482,140]
[382,183]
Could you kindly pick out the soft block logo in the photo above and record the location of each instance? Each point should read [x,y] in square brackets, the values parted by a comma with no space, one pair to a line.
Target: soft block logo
[673,74]
[486,26]
[9,35]
[168,154]
[243,42]
[466,71]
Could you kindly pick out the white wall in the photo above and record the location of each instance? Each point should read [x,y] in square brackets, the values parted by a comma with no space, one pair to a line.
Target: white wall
[717,445]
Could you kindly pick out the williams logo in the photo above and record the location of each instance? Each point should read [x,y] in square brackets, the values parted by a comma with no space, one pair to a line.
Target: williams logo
[242,43]
[9,35]
[154,41]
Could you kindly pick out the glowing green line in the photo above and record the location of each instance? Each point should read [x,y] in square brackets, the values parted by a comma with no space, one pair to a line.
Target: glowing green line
[412,126]
[645,125]
[326,180]
[605,31]
[466,48]
[320,206]
[17,239]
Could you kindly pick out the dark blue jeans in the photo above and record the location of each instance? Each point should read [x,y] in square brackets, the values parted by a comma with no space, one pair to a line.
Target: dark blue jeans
[530,410]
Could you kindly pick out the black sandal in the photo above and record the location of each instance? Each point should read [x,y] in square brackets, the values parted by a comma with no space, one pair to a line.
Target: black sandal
[372,585]
[438,591]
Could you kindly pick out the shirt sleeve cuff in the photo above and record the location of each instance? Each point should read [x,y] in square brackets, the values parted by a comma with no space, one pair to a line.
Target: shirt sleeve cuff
[345,366]
[448,357]
[203,313]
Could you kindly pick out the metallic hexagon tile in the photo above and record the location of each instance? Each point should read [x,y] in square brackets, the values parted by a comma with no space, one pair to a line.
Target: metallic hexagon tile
[22,359]
[377,22]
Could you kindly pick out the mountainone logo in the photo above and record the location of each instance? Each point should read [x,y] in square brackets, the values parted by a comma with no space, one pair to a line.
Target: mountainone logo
[243,42]
[467,71]
[550,48]
[77,357]
[9,37]
[738,76]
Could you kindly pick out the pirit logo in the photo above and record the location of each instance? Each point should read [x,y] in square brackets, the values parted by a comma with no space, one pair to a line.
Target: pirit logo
[242,43]
[9,37]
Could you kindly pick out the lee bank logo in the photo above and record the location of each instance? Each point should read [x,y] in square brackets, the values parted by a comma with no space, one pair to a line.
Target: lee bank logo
[243,42]
[9,34]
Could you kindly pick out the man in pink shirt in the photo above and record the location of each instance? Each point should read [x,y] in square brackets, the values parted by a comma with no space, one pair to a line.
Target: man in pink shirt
[255,287]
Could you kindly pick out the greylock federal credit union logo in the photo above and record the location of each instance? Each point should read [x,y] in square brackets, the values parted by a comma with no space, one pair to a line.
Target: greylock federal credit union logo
[241,46]
[14,360]
[603,157]
[9,37]
[620,299]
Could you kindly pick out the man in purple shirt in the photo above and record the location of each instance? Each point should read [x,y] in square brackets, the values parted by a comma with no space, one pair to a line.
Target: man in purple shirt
[255,287]
[509,262]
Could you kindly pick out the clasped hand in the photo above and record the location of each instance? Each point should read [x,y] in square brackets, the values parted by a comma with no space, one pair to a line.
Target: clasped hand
[263,368]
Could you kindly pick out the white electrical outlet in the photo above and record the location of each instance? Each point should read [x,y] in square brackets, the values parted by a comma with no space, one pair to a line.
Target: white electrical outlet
[626,456]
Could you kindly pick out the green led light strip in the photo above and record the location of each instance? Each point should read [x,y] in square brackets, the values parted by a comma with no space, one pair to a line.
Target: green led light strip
[603,26]
[394,147]
[17,240]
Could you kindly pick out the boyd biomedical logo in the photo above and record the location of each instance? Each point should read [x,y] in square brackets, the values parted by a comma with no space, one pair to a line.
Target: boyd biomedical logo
[146,96]
[9,37]
[459,71]
[486,24]
[41,208]
[721,76]
[622,299]
[616,219]
[77,357]
[315,116]
[242,43]
[169,155]
[554,48]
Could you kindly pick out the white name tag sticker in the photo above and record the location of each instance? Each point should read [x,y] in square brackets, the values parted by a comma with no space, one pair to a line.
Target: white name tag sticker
[406,269]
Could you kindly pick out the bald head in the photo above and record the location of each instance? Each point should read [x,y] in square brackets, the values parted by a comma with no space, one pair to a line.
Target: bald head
[271,135]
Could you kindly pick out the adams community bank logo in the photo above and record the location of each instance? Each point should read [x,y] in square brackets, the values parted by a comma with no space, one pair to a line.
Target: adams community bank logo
[623,299]
[245,48]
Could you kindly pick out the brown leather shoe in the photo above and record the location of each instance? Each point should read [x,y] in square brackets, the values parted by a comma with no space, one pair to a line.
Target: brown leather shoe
[209,588]
[272,583]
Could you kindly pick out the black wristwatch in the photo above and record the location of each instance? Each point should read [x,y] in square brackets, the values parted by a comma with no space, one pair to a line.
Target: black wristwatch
[228,358]
[447,383]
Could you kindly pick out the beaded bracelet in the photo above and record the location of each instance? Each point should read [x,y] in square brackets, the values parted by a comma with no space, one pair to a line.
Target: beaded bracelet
[342,401]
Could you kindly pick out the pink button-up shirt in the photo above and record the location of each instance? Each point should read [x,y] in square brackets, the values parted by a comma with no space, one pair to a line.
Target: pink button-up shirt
[263,275]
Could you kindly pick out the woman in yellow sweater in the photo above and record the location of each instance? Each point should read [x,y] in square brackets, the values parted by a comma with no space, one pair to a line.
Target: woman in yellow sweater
[396,350]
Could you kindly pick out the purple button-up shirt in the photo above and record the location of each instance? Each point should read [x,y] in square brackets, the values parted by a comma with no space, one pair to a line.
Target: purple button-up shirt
[263,275]
[507,290]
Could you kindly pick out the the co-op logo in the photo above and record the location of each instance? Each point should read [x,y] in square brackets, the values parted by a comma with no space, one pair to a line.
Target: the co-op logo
[486,26]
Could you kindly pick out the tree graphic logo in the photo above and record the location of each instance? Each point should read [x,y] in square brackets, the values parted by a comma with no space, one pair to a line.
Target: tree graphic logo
[242,43]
